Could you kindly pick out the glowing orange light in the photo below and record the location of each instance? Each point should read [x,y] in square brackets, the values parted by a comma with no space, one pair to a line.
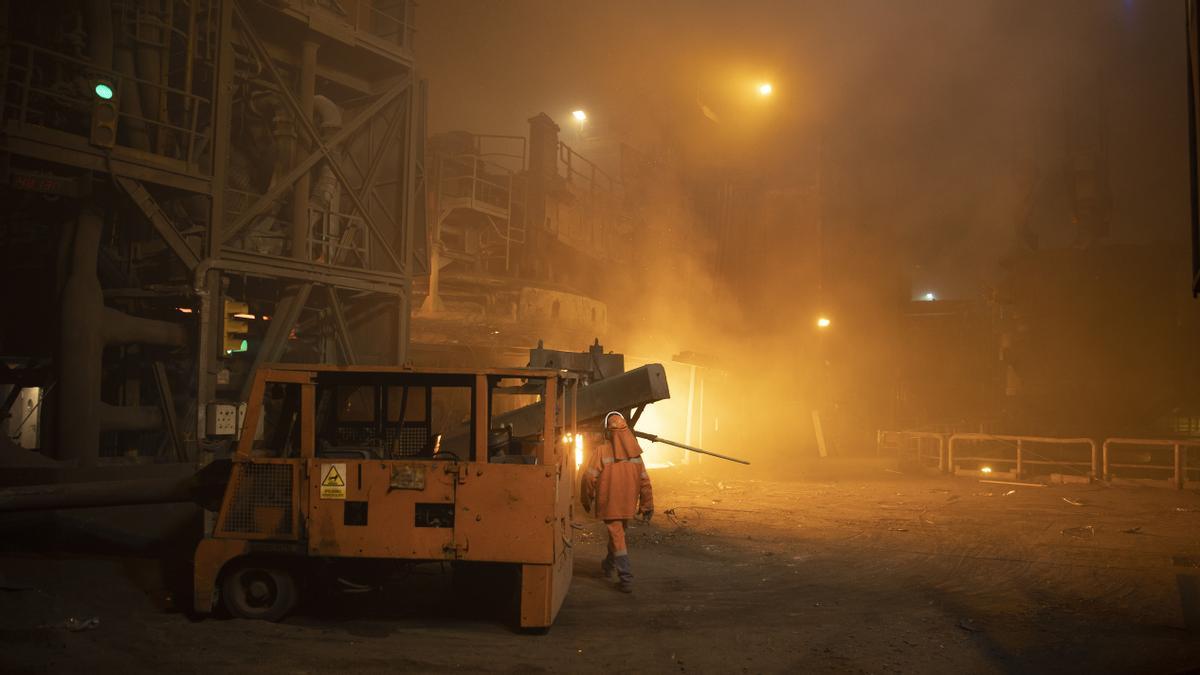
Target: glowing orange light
[824,322]
[765,89]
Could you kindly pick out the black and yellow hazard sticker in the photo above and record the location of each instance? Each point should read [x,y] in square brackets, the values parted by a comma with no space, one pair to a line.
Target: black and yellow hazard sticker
[333,481]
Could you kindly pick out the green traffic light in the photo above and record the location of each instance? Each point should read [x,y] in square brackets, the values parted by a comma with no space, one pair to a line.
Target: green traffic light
[104,90]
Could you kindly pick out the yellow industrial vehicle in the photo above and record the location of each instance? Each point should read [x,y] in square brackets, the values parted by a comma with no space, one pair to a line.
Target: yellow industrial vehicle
[374,465]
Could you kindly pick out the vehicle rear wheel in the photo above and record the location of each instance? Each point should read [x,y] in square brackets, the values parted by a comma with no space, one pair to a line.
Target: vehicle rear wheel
[251,591]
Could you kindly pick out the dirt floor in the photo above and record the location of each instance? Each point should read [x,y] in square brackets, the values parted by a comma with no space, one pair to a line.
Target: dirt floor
[869,572]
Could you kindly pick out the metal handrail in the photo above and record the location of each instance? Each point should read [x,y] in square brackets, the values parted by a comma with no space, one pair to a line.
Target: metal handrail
[918,436]
[402,26]
[21,73]
[1178,467]
[1020,461]
[567,157]
[478,186]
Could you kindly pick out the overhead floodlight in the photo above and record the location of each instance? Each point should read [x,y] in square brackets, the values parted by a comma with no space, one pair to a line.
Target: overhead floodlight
[765,89]
[579,115]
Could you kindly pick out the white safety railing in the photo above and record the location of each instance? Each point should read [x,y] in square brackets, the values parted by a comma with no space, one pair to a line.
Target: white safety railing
[1178,467]
[1021,458]
[914,443]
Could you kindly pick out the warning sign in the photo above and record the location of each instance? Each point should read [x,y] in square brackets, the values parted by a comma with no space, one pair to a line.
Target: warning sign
[333,481]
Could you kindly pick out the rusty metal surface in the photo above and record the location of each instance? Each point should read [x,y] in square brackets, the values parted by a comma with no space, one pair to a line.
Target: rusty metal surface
[506,513]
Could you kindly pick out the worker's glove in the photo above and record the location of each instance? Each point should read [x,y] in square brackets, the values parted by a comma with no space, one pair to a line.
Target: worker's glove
[647,515]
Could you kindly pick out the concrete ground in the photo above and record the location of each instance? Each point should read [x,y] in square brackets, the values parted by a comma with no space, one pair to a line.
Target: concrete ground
[871,571]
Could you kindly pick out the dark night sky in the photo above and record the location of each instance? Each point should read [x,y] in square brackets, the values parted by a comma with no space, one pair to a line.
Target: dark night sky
[930,111]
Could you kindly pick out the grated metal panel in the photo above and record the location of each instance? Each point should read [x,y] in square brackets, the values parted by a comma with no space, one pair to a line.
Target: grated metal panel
[408,441]
[261,503]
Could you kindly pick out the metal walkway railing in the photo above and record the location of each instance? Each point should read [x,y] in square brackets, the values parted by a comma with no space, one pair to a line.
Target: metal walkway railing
[1102,461]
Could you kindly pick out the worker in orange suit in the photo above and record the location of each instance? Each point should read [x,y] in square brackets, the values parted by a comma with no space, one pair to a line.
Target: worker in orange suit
[617,487]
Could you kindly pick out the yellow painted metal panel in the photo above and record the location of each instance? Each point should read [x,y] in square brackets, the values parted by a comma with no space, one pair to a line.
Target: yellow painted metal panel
[506,513]
[389,490]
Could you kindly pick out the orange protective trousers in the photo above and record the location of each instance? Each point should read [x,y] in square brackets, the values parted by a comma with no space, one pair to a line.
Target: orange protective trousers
[616,537]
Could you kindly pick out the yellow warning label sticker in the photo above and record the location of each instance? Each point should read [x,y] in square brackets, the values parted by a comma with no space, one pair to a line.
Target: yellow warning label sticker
[333,481]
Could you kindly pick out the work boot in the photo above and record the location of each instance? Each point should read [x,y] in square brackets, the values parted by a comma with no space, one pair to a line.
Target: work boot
[607,567]
[624,573]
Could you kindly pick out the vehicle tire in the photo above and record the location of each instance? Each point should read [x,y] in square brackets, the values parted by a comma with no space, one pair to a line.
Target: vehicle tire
[252,591]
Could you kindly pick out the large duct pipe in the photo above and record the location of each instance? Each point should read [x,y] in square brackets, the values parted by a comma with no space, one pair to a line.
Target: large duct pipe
[326,191]
[149,40]
[129,418]
[100,33]
[86,327]
[81,345]
[328,115]
[300,193]
[131,98]
[204,487]
[121,328]
[88,495]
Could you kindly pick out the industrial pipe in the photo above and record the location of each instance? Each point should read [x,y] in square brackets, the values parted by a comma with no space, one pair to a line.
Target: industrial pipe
[132,120]
[106,493]
[328,114]
[121,328]
[100,33]
[81,344]
[204,487]
[130,418]
[300,191]
[86,327]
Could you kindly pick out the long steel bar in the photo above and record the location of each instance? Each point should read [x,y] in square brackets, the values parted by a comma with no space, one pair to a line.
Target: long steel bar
[658,439]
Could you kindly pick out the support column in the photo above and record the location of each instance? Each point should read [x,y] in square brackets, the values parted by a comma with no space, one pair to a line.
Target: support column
[81,345]
[300,193]
[209,285]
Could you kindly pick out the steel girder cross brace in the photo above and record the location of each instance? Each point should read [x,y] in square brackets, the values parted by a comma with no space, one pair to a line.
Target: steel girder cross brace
[324,150]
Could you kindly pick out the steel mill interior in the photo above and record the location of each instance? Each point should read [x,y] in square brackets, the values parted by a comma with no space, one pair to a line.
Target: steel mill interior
[556,336]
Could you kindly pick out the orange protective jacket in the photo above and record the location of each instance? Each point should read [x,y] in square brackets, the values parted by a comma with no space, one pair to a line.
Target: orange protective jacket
[615,481]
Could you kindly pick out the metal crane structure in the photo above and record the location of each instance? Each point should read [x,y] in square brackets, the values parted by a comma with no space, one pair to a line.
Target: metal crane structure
[195,188]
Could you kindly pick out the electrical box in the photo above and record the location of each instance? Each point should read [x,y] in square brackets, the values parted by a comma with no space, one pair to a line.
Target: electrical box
[221,419]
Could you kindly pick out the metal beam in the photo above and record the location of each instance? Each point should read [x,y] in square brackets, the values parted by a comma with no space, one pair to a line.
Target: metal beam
[209,285]
[68,150]
[266,266]
[342,331]
[309,162]
[150,208]
[368,185]
[307,123]
[167,403]
[287,313]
